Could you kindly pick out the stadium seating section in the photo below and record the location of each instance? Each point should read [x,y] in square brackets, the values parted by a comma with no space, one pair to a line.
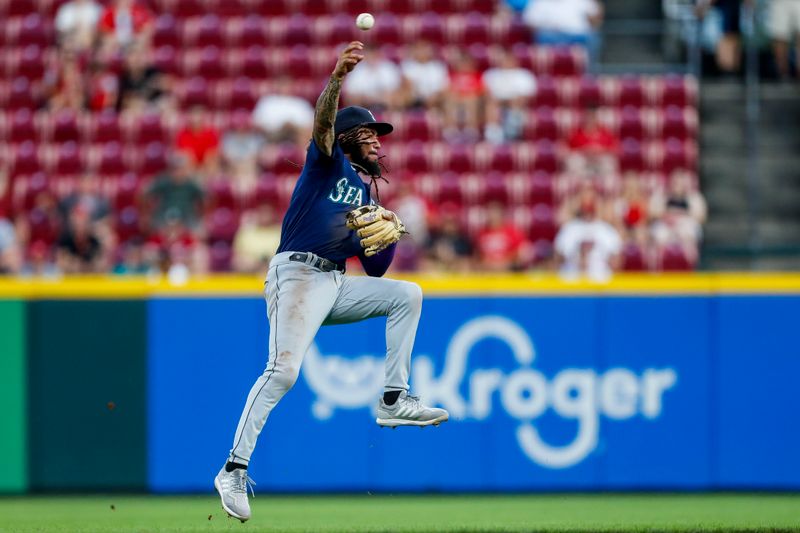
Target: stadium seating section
[226,53]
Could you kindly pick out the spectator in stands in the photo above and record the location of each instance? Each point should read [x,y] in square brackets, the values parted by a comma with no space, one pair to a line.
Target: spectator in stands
[464,101]
[728,47]
[76,23]
[679,215]
[199,140]
[508,87]
[80,249]
[240,148]
[39,262]
[63,85]
[448,248]
[784,28]
[141,83]
[593,147]
[426,76]
[102,86]
[565,22]
[88,197]
[178,247]
[587,245]
[414,211]
[134,260]
[631,211]
[125,22]
[501,246]
[282,116]
[256,240]
[176,194]
[376,83]
[9,248]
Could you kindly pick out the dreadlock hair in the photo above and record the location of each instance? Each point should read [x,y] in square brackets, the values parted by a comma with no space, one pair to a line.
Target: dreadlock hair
[351,141]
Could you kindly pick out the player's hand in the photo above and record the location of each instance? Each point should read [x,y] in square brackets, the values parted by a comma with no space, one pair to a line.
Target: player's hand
[349,58]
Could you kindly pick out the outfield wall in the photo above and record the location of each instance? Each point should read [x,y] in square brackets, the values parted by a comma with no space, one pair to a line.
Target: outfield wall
[663,383]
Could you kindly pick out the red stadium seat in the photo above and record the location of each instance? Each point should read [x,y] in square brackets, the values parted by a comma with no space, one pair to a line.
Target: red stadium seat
[631,157]
[254,64]
[229,8]
[20,8]
[222,193]
[147,128]
[298,65]
[21,127]
[209,31]
[542,125]
[546,157]
[522,54]
[154,159]
[480,55]
[166,60]
[20,95]
[674,260]
[517,32]
[33,187]
[449,190]
[222,224]
[166,32]
[266,191]
[272,8]
[546,92]
[242,95]
[541,189]
[676,156]
[68,160]
[418,127]
[388,30]
[65,127]
[195,92]
[34,31]
[252,32]
[481,6]
[675,124]
[220,256]
[417,157]
[633,258]
[502,159]
[298,30]
[105,127]
[631,92]
[313,8]
[564,62]
[589,92]
[42,228]
[430,27]
[630,124]
[674,92]
[25,159]
[494,188]
[127,224]
[127,191]
[30,63]
[475,30]
[356,7]
[339,29]
[443,7]
[111,161]
[188,8]
[461,158]
[210,64]
[543,225]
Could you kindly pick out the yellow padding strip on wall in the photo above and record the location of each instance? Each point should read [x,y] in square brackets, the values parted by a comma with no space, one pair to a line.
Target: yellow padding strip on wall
[102,287]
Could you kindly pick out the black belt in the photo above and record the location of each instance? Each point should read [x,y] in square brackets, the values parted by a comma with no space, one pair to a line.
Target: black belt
[319,262]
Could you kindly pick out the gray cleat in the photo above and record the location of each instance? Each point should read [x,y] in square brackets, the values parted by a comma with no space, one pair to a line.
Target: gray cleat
[409,411]
[232,488]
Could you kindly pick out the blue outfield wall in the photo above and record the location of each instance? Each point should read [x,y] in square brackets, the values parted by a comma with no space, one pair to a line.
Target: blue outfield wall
[545,393]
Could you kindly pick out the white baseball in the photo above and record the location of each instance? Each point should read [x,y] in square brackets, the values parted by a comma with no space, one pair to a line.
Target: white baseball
[365,21]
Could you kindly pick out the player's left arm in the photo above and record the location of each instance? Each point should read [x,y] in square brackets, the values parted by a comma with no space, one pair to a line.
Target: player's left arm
[377,265]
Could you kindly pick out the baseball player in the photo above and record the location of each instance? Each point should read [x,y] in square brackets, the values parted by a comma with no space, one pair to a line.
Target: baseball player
[331,217]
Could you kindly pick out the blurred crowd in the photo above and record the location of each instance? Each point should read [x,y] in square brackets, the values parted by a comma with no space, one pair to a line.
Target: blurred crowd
[189,217]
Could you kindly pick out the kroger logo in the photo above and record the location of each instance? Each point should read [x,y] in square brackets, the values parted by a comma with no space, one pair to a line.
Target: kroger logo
[525,394]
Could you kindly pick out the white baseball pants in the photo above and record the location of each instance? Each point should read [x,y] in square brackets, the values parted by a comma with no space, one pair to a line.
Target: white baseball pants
[300,299]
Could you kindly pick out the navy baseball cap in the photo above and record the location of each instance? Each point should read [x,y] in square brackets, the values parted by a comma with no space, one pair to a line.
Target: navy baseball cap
[350,117]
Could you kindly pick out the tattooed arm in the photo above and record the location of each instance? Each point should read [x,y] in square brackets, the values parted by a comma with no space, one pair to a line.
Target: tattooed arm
[328,101]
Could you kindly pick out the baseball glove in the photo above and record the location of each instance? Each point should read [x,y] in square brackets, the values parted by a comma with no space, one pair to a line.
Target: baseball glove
[377,227]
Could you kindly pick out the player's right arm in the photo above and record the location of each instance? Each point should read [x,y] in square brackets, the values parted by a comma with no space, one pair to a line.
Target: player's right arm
[328,101]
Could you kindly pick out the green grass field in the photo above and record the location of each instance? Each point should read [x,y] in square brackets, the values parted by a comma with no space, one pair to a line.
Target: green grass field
[434,513]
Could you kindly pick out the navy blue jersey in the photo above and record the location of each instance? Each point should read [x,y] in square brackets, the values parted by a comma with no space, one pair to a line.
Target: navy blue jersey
[326,190]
